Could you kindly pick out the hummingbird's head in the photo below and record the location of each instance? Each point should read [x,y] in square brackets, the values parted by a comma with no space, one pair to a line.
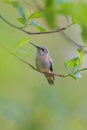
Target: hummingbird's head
[40,49]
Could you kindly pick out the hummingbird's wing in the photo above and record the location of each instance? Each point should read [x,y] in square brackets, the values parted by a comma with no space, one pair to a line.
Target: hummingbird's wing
[50,77]
[51,68]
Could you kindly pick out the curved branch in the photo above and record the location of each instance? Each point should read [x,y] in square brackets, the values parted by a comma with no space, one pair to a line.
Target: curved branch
[34,68]
[27,63]
[48,32]
[32,33]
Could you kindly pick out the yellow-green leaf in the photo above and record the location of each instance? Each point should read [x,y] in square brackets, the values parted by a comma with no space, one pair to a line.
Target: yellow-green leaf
[22,43]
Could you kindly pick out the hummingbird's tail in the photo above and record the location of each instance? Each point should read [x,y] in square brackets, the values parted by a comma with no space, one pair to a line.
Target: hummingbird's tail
[50,79]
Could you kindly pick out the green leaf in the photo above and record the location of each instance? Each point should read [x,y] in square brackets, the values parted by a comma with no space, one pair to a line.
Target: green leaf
[81,55]
[80,17]
[21,20]
[22,42]
[73,66]
[75,69]
[50,13]
[37,14]
[78,11]
[23,12]
[73,63]
[64,1]
[11,2]
[37,25]
[84,33]
[18,6]
[40,28]
[20,51]
[66,9]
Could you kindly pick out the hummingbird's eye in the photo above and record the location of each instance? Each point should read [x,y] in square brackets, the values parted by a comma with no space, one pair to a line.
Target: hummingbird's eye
[43,50]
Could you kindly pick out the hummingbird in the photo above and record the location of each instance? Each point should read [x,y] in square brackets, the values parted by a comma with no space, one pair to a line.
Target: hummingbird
[44,62]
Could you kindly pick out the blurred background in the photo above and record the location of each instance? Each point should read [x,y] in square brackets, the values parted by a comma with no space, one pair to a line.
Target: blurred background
[27,101]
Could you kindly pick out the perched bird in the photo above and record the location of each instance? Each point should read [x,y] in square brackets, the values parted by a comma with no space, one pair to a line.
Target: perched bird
[44,62]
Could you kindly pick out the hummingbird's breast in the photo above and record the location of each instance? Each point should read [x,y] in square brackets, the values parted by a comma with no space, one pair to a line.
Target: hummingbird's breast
[42,62]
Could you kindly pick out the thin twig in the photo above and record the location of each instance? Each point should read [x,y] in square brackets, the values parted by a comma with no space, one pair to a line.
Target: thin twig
[70,40]
[73,42]
[32,33]
[27,63]
[83,69]
[48,32]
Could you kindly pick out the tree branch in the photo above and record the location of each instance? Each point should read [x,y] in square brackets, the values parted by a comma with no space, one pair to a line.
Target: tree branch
[27,63]
[48,32]
[73,42]
[34,68]
[32,33]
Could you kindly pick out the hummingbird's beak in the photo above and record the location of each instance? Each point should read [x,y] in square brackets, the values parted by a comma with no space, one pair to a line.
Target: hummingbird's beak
[35,45]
